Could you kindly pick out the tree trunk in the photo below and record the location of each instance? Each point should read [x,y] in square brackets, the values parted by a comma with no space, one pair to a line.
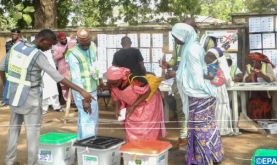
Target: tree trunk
[45,14]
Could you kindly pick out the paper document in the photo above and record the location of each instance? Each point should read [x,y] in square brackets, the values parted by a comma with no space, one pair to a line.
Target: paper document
[122,115]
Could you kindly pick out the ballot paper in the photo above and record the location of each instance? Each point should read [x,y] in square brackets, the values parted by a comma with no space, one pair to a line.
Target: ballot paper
[134,39]
[145,40]
[170,42]
[145,52]
[157,40]
[111,41]
[110,54]
[156,69]
[102,54]
[261,24]
[267,24]
[272,55]
[122,115]
[102,40]
[255,41]
[269,40]
[157,54]
[254,24]
[118,40]
[148,67]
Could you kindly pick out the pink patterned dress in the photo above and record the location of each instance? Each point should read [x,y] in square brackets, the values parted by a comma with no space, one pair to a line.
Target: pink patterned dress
[63,68]
[147,121]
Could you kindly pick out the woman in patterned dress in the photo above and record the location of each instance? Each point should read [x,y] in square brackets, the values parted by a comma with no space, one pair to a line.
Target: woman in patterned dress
[204,142]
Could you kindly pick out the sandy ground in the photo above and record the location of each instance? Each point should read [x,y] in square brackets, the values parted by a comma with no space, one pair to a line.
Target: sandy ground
[238,149]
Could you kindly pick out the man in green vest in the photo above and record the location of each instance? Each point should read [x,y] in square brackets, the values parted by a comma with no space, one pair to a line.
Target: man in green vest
[23,66]
[82,62]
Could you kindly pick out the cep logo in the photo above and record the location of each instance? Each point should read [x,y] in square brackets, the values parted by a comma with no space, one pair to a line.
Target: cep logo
[266,160]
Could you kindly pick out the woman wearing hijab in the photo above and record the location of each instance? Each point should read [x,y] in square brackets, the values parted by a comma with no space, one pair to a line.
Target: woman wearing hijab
[204,142]
[222,110]
[260,69]
[144,119]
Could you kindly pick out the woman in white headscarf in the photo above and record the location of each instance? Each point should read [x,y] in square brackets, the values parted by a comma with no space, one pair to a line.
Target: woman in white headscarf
[223,110]
[204,142]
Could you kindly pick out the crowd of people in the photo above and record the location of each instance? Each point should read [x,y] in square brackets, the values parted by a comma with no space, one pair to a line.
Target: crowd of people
[31,71]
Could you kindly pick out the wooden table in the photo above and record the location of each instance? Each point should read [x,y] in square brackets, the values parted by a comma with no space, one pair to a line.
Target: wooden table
[242,88]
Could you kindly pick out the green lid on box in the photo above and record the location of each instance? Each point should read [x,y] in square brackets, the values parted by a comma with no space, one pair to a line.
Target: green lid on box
[55,138]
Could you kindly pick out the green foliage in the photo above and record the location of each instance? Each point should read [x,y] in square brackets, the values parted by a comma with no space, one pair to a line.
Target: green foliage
[180,8]
[29,9]
[93,13]
[221,9]
[64,7]
[261,5]
[6,22]
[19,7]
[129,12]
[27,18]
[19,13]
[23,14]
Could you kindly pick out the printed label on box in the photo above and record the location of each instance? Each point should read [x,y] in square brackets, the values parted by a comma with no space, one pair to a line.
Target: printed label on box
[45,155]
[67,153]
[162,160]
[136,162]
[90,160]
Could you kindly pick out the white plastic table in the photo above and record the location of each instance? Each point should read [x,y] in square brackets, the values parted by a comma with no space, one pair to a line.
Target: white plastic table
[242,88]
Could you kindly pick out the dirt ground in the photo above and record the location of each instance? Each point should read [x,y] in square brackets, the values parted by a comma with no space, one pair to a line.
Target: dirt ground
[238,149]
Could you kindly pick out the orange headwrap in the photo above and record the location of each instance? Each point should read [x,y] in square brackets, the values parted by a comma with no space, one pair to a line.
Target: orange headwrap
[259,57]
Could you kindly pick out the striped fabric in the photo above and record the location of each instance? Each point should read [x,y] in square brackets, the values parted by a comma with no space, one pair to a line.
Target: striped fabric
[204,142]
[85,59]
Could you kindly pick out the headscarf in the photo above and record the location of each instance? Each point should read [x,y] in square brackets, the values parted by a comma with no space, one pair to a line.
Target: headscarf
[218,52]
[259,57]
[118,73]
[61,35]
[222,61]
[186,34]
[183,32]
[208,42]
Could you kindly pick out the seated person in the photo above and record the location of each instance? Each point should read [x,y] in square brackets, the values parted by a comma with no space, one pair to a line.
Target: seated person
[260,69]
[235,72]
[214,73]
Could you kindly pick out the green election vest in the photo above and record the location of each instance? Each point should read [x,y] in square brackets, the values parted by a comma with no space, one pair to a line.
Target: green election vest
[233,71]
[20,62]
[89,72]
